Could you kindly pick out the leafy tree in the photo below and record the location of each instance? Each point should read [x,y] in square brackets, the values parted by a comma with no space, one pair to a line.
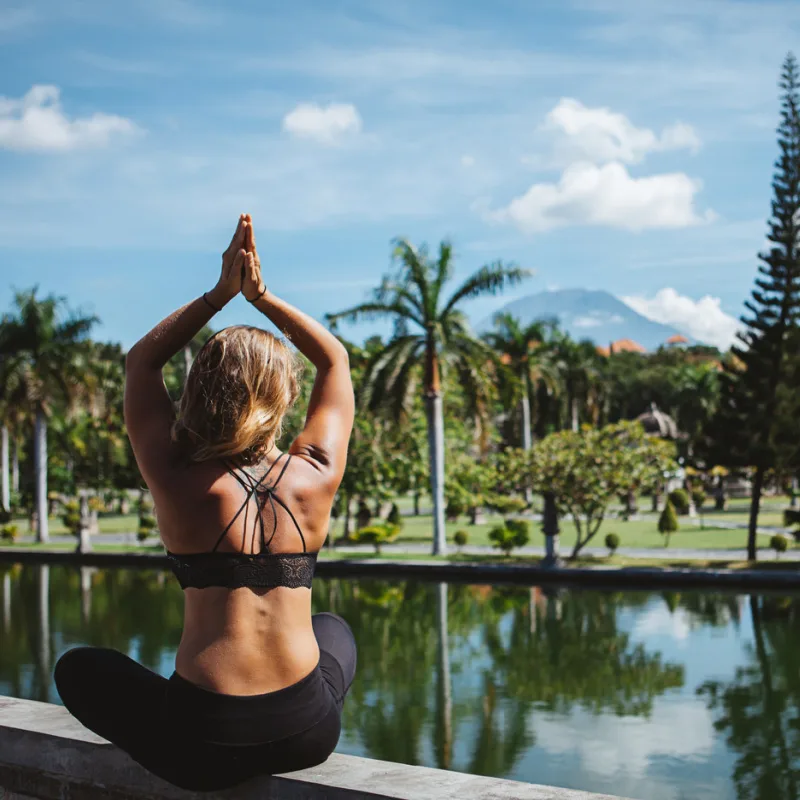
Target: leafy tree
[442,341]
[586,470]
[42,363]
[757,408]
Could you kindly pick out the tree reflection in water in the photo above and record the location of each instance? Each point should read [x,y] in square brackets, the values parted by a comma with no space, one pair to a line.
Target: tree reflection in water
[451,675]
[759,710]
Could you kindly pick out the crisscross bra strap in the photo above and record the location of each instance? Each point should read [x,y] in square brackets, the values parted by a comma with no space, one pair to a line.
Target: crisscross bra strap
[253,486]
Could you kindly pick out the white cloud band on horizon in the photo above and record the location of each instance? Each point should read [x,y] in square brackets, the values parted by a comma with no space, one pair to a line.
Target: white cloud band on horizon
[600,135]
[703,319]
[325,125]
[607,195]
[36,122]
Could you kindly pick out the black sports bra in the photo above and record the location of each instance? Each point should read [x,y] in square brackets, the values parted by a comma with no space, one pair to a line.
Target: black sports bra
[262,570]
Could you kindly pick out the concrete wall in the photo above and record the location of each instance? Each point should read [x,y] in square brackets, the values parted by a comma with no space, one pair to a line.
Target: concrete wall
[47,755]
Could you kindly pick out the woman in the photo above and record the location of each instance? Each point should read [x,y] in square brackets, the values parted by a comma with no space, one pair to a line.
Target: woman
[258,683]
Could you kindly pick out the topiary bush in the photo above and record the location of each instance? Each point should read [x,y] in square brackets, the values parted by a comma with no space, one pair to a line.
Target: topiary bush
[699,498]
[612,543]
[377,535]
[680,501]
[780,544]
[71,516]
[513,533]
[9,532]
[460,538]
[394,516]
[668,522]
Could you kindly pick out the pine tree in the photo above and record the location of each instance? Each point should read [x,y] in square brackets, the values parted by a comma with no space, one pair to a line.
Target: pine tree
[753,420]
[668,522]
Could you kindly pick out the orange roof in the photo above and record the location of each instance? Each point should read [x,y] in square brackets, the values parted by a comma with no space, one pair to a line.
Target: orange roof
[626,346]
[677,339]
[603,351]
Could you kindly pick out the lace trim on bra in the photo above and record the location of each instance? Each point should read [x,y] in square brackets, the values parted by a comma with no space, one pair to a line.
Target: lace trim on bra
[237,570]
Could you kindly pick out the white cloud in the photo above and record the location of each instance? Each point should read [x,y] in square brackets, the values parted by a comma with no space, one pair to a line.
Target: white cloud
[37,122]
[701,319]
[594,319]
[590,195]
[325,125]
[600,135]
[625,748]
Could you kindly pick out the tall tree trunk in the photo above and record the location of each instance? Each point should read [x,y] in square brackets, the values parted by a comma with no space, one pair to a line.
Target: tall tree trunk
[527,441]
[755,503]
[15,466]
[187,362]
[40,472]
[793,492]
[7,603]
[772,705]
[416,501]
[347,502]
[550,529]
[433,410]
[435,419]
[573,407]
[5,485]
[444,689]
[86,593]
[43,653]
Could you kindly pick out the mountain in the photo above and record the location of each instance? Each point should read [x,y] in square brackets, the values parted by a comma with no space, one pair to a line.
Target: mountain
[584,314]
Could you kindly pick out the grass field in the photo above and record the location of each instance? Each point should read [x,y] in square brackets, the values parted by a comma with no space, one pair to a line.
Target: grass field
[633,534]
[636,533]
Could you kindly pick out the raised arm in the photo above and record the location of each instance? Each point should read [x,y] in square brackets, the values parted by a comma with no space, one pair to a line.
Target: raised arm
[323,441]
[147,407]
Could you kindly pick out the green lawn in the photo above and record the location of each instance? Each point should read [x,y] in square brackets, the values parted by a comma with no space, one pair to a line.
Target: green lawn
[111,524]
[636,533]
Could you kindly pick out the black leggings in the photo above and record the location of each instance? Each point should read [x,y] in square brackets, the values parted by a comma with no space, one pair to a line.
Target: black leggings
[202,740]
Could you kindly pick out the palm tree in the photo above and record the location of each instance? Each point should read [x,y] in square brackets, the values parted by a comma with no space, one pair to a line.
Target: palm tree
[442,342]
[579,367]
[526,353]
[41,364]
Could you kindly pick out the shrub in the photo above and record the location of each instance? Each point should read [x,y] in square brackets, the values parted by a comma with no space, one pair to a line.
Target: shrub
[460,538]
[668,522]
[791,516]
[394,517]
[680,501]
[9,532]
[377,535]
[454,509]
[96,504]
[363,515]
[612,542]
[780,544]
[698,498]
[71,516]
[514,533]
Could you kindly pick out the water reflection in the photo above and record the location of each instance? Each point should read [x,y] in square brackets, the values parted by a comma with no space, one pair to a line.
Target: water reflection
[539,685]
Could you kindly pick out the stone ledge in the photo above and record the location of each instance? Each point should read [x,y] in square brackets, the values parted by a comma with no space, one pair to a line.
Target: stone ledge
[634,577]
[47,755]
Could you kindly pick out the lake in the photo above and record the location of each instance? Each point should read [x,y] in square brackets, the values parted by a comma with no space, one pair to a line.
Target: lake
[650,695]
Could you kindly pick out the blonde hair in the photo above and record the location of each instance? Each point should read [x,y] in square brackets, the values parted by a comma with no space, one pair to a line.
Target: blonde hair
[240,385]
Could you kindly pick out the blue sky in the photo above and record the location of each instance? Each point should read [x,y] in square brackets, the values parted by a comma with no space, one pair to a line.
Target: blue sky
[624,145]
